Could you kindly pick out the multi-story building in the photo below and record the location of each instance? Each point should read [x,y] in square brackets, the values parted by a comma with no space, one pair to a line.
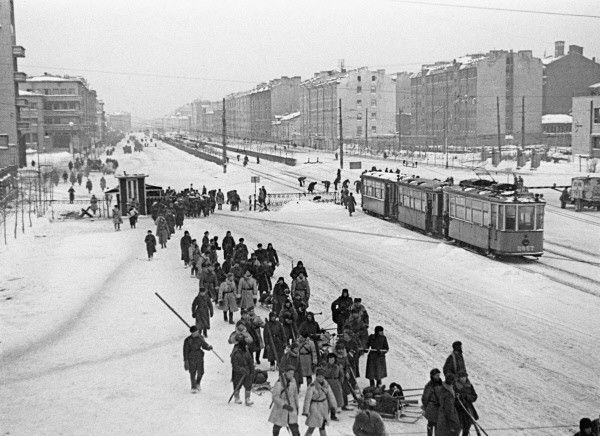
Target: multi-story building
[238,115]
[567,76]
[120,121]
[70,110]
[586,124]
[100,122]
[260,113]
[368,101]
[467,101]
[12,147]
[403,104]
[32,116]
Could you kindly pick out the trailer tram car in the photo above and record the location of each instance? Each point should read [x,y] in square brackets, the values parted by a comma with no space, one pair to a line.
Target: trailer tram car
[489,217]
[504,223]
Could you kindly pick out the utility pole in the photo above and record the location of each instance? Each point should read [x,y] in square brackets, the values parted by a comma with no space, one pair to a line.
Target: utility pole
[224,140]
[498,123]
[366,127]
[341,135]
[399,131]
[523,123]
[446,130]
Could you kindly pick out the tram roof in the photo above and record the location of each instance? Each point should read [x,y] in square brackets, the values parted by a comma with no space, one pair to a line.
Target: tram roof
[424,183]
[494,196]
[382,175]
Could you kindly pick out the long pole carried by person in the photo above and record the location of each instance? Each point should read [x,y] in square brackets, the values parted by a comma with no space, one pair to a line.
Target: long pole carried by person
[237,388]
[183,320]
[475,423]
[281,376]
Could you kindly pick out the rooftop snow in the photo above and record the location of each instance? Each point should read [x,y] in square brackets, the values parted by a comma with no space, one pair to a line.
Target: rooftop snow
[557,119]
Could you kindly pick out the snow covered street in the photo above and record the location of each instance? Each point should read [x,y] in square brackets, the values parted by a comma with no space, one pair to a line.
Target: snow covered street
[87,348]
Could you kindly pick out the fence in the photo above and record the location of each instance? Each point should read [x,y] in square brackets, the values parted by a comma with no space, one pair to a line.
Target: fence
[275,200]
[64,209]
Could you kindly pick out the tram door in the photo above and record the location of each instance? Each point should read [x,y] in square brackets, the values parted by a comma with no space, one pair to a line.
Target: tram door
[429,214]
[391,200]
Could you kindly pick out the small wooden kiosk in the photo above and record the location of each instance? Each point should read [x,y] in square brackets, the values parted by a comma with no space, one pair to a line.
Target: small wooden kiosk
[132,190]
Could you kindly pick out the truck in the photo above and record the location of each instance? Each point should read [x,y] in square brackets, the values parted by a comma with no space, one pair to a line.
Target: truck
[585,192]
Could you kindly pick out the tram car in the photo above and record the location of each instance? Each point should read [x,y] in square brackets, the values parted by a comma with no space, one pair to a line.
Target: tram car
[480,214]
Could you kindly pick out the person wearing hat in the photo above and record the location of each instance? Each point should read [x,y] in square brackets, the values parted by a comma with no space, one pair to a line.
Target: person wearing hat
[247,292]
[348,384]
[194,251]
[377,347]
[465,397]
[285,403]
[586,427]
[318,403]
[242,369]
[228,244]
[368,422]
[240,329]
[335,377]
[274,351]
[353,348]
[261,253]
[447,422]
[193,357]
[240,252]
[307,353]
[290,359]
[340,310]
[359,329]
[301,287]
[272,254]
[455,362]
[297,269]
[281,294]
[150,241]
[429,399]
[227,298]
[202,311]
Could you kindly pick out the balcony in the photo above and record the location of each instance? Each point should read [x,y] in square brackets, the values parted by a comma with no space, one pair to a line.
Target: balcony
[18,51]
[22,102]
[20,77]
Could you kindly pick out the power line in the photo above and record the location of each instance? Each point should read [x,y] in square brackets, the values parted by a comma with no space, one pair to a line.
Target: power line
[489,8]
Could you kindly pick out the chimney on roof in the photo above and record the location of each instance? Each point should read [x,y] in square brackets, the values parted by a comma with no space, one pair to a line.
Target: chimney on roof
[559,49]
[576,49]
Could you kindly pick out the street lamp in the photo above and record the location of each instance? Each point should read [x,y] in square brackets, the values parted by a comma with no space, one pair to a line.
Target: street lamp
[71,124]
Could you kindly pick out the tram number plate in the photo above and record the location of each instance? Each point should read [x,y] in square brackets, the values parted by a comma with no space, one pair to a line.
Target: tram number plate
[523,249]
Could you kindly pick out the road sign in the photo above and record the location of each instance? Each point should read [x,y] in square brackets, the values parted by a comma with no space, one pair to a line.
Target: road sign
[355,165]
[255,179]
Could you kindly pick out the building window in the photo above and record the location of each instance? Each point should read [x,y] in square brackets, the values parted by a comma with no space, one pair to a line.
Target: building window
[373,114]
[359,116]
[46,91]
[358,130]
[63,91]
[373,90]
[55,91]
[358,103]
[373,78]
[71,91]
[373,129]
[358,89]
[33,105]
[597,115]
[359,78]
[373,103]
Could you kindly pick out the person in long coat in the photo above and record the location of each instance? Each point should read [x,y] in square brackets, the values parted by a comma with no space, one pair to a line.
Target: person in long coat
[429,400]
[353,348]
[377,345]
[220,197]
[318,402]
[194,255]
[162,230]
[310,327]
[150,241]
[281,294]
[289,318]
[242,370]
[253,331]
[263,277]
[300,286]
[447,422]
[208,280]
[247,291]
[455,362]
[227,299]
[274,351]
[228,244]
[256,323]
[202,311]
[307,355]
[170,217]
[351,203]
[340,310]
[297,269]
[465,396]
[285,403]
[290,359]
[347,383]
[184,244]
[272,254]
[335,377]
[116,217]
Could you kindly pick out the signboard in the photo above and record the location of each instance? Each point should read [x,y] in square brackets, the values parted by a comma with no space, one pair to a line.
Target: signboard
[355,165]
[255,179]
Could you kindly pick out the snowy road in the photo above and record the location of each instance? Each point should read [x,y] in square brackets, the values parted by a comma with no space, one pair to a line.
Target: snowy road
[91,350]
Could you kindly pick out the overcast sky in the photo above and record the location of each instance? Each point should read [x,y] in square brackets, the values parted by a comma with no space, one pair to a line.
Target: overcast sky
[148,57]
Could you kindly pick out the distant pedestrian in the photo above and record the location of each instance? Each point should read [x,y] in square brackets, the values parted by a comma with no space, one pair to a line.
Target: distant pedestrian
[301,181]
[242,369]
[150,241]
[88,186]
[116,216]
[351,203]
[311,187]
[202,311]
[377,345]
[71,194]
[133,216]
[220,199]
[327,184]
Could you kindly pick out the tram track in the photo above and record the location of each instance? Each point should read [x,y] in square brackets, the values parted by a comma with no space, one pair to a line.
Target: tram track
[559,212]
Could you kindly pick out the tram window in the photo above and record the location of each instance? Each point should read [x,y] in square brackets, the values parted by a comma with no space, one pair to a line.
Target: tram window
[485,214]
[526,217]
[511,218]
[460,208]
[494,215]
[500,217]
[451,211]
[476,206]
[539,217]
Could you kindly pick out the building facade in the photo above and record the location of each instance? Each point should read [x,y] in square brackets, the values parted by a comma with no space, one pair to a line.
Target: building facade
[586,126]
[120,121]
[368,106]
[567,76]
[32,115]
[12,147]
[469,99]
[70,110]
